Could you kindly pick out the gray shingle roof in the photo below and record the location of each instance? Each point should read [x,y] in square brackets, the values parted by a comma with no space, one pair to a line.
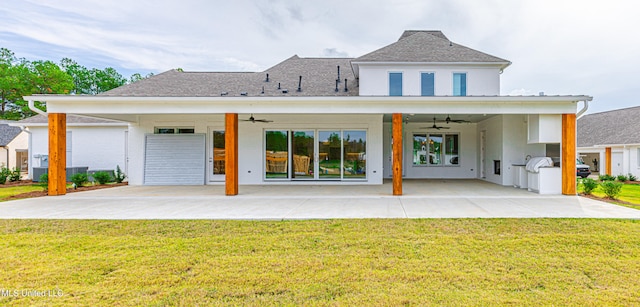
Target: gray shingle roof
[427,47]
[71,119]
[318,79]
[408,33]
[8,133]
[318,74]
[609,128]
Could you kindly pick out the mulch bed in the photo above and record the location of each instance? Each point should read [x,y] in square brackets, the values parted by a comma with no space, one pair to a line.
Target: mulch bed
[608,200]
[69,190]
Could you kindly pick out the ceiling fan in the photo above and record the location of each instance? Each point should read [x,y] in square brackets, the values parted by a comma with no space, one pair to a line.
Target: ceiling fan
[253,120]
[434,126]
[449,120]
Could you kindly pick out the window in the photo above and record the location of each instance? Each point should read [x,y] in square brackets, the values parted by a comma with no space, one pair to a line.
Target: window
[428,83]
[174,130]
[277,154]
[291,154]
[459,84]
[354,147]
[395,84]
[435,149]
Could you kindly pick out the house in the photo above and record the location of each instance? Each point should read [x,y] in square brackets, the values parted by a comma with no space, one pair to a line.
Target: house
[610,141]
[421,107]
[91,143]
[13,147]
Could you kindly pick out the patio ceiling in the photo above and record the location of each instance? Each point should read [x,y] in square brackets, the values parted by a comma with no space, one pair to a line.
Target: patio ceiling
[440,118]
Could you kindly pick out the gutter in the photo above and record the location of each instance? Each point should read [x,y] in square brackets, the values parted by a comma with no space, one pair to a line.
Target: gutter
[585,107]
[32,107]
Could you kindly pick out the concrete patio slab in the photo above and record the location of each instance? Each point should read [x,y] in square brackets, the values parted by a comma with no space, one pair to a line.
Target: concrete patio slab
[423,199]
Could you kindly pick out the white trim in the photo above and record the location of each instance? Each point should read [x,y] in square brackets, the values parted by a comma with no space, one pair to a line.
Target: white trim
[127,108]
[498,64]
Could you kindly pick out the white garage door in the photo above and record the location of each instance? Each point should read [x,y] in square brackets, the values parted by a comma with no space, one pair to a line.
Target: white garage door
[174,159]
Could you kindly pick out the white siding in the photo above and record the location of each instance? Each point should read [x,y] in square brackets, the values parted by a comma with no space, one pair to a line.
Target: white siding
[374,79]
[251,140]
[94,147]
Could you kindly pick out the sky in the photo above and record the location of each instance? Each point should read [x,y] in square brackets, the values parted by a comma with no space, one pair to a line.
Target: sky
[559,47]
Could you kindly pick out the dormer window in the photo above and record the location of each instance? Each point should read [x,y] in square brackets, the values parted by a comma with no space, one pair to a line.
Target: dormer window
[395,84]
[427,81]
[459,84]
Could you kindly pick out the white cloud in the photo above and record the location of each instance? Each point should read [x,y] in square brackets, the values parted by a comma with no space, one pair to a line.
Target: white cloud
[559,47]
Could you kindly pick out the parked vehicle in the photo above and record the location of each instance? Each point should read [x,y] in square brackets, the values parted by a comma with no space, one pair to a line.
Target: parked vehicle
[582,170]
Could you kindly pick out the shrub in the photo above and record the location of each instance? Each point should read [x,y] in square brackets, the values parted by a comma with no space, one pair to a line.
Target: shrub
[102,177]
[632,177]
[14,175]
[588,185]
[79,179]
[44,180]
[611,188]
[4,174]
[120,176]
[606,177]
[622,178]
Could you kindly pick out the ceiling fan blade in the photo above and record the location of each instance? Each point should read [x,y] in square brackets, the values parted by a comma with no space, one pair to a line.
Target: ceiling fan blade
[263,120]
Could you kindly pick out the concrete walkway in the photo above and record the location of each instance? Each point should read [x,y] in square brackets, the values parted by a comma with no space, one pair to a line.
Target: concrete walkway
[422,199]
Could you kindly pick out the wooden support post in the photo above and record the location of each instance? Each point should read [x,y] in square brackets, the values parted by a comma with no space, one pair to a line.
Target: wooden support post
[568,152]
[57,184]
[607,157]
[231,154]
[397,153]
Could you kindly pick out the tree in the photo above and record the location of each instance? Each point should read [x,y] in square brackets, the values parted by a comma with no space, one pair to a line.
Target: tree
[19,77]
[137,77]
[83,79]
[92,81]
[14,81]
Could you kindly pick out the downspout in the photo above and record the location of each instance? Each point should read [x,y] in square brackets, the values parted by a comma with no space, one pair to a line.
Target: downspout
[32,107]
[7,150]
[584,108]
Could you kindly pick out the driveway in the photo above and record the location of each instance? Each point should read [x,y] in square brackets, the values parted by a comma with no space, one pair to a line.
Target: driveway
[422,199]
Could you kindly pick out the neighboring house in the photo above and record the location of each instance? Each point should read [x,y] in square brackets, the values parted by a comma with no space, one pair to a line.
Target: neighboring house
[98,144]
[421,107]
[609,142]
[14,144]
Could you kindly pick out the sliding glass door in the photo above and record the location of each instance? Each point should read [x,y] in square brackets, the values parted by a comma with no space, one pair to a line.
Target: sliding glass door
[277,154]
[302,145]
[355,154]
[329,155]
[315,154]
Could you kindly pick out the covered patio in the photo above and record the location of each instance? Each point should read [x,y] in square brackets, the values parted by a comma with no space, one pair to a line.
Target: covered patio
[422,199]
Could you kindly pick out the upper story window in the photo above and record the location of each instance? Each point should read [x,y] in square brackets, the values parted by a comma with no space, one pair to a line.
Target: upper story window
[459,84]
[427,81]
[395,84]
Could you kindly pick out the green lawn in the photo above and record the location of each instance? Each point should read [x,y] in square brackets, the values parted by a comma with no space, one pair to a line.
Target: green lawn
[630,193]
[15,190]
[460,262]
